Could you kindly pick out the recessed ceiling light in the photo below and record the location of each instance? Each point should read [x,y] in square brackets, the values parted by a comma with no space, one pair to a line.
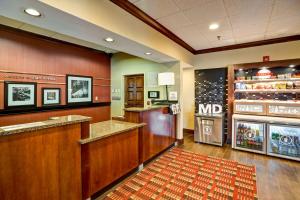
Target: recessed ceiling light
[291,66]
[32,12]
[241,69]
[214,26]
[148,53]
[109,39]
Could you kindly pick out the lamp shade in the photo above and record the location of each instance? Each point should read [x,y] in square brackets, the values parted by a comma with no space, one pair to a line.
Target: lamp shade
[166,78]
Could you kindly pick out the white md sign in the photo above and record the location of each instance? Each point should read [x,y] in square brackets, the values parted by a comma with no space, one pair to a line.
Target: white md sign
[210,109]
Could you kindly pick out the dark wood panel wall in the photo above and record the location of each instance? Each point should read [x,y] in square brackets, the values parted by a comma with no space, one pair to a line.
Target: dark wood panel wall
[25,56]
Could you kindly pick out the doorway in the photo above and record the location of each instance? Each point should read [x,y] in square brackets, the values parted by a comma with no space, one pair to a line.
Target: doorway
[134,90]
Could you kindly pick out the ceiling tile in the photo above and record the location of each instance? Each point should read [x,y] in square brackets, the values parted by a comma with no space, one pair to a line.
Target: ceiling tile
[174,21]
[250,38]
[222,42]
[284,8]
[238,7]
[208,12]
[157,8]
[187,4]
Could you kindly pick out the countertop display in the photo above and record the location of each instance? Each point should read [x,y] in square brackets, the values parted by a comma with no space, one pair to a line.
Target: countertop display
[142,109]
[54,122]
[108,128]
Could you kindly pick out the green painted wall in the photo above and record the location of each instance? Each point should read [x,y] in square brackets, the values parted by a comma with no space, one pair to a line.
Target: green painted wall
[123,64]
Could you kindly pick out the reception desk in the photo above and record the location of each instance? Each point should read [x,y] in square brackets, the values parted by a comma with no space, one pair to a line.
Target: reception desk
[42,160]
[158,134]
[110,152]
[66,157]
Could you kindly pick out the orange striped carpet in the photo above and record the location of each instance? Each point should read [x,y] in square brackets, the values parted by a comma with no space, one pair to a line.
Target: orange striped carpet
[180,174]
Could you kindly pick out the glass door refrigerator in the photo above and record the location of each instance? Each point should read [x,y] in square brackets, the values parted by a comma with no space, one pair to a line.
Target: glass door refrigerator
[284,141]
[250,136]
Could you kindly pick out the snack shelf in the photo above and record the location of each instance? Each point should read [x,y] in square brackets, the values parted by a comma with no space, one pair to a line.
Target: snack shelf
[269,90]
[266,80]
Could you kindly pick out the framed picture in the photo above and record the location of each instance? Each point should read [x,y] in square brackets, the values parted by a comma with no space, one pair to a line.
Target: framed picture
[153,94]
[173,96]
[19,95]
[50,96]
[79,89]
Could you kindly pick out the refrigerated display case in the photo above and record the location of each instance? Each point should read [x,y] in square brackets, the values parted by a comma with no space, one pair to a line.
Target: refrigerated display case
[284,141]
[250,136]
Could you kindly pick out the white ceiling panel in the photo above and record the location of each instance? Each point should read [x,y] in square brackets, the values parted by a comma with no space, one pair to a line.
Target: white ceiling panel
[240,20]
[157,8]
[174,21]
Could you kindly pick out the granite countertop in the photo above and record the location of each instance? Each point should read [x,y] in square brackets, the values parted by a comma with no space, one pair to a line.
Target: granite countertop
[108,128]
[54,122]
[142,109]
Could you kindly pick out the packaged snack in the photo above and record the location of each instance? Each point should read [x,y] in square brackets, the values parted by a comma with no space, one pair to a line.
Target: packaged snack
[289,85]
[248,86]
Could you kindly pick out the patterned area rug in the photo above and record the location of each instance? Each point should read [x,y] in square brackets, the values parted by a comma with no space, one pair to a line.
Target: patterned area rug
[180,174]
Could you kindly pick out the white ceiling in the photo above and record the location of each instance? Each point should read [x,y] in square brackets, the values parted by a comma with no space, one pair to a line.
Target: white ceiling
[60,25]
[240,21]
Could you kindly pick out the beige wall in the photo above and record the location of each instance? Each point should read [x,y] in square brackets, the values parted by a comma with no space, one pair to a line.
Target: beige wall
[289,50]
[281,51]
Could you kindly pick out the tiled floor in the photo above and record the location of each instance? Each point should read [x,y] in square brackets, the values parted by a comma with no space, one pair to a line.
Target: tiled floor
[277,179]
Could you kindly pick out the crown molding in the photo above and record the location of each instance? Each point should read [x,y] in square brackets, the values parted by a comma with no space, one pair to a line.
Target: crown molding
[138,13]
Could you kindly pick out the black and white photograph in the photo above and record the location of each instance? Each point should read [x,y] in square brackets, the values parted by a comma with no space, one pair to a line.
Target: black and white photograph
[20,94]
[153,94]
[50,96]
[79,89]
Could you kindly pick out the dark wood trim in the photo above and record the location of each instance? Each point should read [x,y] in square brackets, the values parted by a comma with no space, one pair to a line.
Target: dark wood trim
[138,13]
[180,141]
[52,108]
[275,63]
[187,130]
[249,44]
[45,38]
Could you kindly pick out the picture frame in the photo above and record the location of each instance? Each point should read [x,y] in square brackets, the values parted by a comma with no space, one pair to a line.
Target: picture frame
[20,95]
[153,94]
[79,89]
[173,96]
[51,96]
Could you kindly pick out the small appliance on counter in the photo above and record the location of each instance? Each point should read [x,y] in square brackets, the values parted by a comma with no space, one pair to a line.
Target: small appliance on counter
[209,128]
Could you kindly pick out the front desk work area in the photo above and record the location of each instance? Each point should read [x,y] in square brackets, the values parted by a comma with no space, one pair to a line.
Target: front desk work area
[149,100]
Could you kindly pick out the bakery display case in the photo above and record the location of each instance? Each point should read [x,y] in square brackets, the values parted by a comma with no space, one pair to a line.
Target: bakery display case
[284,141]
[250,136]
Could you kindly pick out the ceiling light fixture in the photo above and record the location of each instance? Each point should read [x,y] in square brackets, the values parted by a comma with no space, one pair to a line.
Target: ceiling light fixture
[291,66]
[109,39]
[214,26]
[148,53]
[32,12]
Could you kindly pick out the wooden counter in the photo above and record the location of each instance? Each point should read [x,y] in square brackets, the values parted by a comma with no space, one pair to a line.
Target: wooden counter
[158,134]
[110,152]
[42,160]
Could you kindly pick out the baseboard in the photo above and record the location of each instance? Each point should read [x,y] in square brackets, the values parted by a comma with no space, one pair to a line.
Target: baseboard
[186,130]
[180,141]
